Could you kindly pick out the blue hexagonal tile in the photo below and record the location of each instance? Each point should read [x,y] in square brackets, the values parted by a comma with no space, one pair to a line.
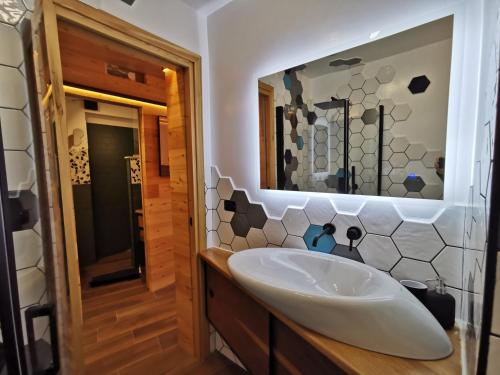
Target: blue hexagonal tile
[326,244]
[300,142]
[287,81]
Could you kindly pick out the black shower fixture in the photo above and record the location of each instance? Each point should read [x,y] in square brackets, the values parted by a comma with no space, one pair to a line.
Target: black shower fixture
[333,103]
[129,2]
[348,62]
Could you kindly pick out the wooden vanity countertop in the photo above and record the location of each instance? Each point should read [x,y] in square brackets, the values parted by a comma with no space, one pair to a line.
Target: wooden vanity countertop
[351,359]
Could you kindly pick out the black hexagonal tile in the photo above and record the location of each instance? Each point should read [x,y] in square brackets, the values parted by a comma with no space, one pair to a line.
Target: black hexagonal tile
[26,203]
[294,164]
[288,171]
[256,216]
[414,183]
[370,116]
[293,120]
[295,187]
[299,101]
[332,181]
[343,251]
[419,84]
[288,156]
[241,200]
[240,224]
[311,118]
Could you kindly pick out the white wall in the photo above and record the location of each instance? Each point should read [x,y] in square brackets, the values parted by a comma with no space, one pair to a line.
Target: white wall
[172,19]
[251,39]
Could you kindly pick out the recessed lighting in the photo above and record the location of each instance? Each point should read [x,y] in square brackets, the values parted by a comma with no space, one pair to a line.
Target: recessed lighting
[374,34]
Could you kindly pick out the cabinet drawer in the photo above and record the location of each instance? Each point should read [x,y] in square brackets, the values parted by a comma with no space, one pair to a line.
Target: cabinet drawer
[292,355]
[242,323]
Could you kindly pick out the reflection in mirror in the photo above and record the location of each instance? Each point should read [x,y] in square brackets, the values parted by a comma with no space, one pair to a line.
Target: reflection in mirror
[370,120]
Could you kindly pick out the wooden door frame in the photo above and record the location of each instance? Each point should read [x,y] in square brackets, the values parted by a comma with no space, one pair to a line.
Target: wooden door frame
[175,57]
[268,91]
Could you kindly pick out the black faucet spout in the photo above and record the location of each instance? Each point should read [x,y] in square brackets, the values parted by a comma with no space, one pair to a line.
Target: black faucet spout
[328,228]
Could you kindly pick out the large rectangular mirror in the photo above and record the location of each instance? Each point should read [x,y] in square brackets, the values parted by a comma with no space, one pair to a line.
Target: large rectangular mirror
[370,120]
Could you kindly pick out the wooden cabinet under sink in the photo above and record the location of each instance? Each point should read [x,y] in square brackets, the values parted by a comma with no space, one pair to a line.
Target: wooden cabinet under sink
[260,340]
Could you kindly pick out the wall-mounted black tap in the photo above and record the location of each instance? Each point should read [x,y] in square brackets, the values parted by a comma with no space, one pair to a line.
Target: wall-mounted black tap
[328,228]
[353,234]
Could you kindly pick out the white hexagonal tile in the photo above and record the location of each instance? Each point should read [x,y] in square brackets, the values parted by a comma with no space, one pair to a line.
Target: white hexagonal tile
[379,217]
[20,170]
[368,175]
[357,96]
[388,122]
[415,151]
[215,220]
[401,112]
[225,188]
[256,238]
[370,146]
[320,211]
[294,242]
[417,240]
[342,222]
[370,86]
[399,144]
[356,140]
[295,221]
[356,154]
[16,129]
[385,74]
[356,69]
[369,160]
[450,225]
[226,233]
[397,190]
[370,131]
[398,160]
[356,125]
[344,92]
[11,51]
[388,105]
[223,214]
[239,243]
[357,111]
[16,96]
[431,157]
[397,175]
[31,284]
[212,199]
[379,252]
[370,101]
[409,269]
[357,81]
[27,248]
[448,265]
[214,178]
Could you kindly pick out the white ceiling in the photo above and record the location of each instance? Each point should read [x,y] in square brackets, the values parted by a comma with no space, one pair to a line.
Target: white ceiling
[429,33]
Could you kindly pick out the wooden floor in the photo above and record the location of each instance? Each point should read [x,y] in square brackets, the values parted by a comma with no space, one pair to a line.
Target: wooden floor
[129,330]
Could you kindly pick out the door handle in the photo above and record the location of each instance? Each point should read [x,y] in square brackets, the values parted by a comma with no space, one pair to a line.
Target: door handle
[30,314]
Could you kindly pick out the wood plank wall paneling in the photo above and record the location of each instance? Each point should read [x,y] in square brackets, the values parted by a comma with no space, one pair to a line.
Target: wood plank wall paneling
[177,146]
[84,56]
[157,205]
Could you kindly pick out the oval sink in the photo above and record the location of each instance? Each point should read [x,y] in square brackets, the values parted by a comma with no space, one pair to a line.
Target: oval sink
[342,299]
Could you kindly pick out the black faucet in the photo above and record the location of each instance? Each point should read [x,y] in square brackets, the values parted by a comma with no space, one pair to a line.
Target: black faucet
[328,228]
[353,234]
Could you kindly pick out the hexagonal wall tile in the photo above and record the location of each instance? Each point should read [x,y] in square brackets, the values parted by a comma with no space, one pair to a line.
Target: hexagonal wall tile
[418,240]
[356,125]
[370,146]
[20,170]
[370,101]
[11,51]
[16,129]
[226,233]
[357,81]
[379,217]
[274,231]
[370,116]
[450,225]
[410,269]
[223,214]
[344,92]
[357,96]
[239,243]
[320,211]
[16,96]
[240,198]
[27,248]
[448,265]
[294,242]
[419,84]
[31,283]
[295,221]
[388,105]
[397,190]
[256,216]
[431,157]
[401,112]
[414,184]
[370,86]
[256,238]
[342,222]
[398,160]
[225,188]
[325,244]
[415,151]
[385,74]
[399,144]
[356,140]
[379,252]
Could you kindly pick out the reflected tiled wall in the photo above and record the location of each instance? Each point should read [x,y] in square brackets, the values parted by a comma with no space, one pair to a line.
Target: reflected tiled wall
[17,138]
[404,249]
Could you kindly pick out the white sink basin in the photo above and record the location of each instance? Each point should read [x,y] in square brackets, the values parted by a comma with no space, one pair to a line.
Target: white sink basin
[342,299]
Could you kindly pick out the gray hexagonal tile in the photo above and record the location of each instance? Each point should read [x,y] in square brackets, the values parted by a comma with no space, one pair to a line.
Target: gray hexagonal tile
[385,74]
[368,175]
[370,116]
[239,243]
[256,238]
[295,221]
[387,138]
[11,46]
[370,131]
[369,161]
[430,158]
[379,252]
[386,152]
[357,96]
[399,144]
[370,146]
[356,154]
[401,112]
[294,242]
[398,160]
[432,191]
[16,96]
[274,231]
[225,188]
[344,92]
[356,140]
[388,105]
[356,125]
[240,198]
[31,284]
[357,111]
[226,233]
[16,129]
[388,122]
[27,248]
[418,240]
[397,190]
[370,101]
[397,175]
[20,170]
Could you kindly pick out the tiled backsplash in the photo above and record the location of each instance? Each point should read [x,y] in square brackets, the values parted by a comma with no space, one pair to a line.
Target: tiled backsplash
[404,249]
